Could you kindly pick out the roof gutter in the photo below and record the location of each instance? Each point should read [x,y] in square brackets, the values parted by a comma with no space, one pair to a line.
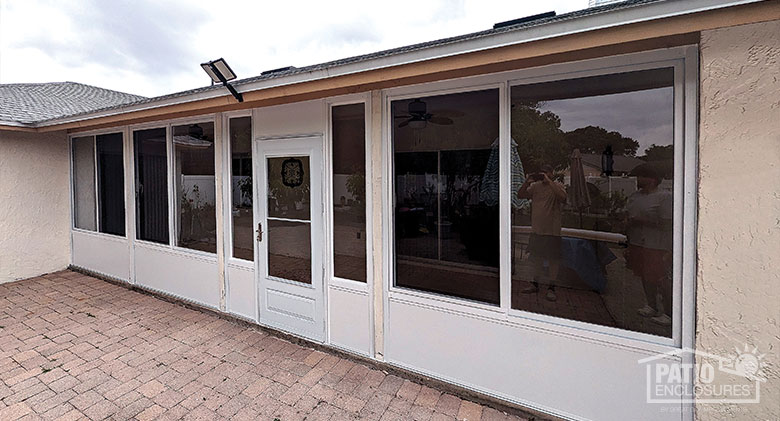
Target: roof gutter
[619,17]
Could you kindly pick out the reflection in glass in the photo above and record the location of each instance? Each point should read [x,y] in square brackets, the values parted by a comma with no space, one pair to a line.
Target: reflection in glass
[592,199]
[241,187]
[151,184]
[288,188]
[196,223]
[289,250]
[84,182]
[111,183]
[349,192]
[446,194]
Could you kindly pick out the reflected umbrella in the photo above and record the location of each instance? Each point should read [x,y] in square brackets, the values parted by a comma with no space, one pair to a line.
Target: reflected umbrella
[488,189]
[579,197]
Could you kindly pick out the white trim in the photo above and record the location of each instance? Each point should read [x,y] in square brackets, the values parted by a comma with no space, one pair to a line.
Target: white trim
[288,136]
[178,251]
[232,262]
[106,236]
[130,199]
[613,18]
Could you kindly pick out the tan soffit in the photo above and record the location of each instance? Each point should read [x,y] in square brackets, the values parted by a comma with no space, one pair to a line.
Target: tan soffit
[660,33]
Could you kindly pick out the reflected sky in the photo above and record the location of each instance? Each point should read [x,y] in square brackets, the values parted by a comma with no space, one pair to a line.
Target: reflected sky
[645,116]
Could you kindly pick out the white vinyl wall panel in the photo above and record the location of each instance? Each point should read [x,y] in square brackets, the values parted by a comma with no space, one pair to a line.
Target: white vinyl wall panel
[529,366]
[350,320]
[290,119]
[104,254]
[242,292]
[181,274]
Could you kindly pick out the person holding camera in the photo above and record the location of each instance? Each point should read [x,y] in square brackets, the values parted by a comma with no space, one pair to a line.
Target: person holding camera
[547,199]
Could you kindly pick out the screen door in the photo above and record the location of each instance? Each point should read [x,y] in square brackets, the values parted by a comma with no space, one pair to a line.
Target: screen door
[289,233]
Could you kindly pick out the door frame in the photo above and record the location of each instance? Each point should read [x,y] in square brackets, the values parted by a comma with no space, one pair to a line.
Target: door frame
[279,146]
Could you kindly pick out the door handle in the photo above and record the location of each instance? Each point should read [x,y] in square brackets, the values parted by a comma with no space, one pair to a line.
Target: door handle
[259,232]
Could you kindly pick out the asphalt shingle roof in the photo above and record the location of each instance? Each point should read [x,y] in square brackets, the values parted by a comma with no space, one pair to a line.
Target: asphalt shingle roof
[28,103]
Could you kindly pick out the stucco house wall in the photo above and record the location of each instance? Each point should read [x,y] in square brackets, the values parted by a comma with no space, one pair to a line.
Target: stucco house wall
[34,204]
[738,285]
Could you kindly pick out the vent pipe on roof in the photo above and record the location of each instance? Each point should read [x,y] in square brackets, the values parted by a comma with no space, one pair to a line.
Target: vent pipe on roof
[279,70]
[524,20]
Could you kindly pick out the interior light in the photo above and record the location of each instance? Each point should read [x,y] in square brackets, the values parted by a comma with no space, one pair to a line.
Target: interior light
[417,124]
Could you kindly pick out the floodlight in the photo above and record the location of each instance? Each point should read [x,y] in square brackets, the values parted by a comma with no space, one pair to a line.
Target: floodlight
[219,72]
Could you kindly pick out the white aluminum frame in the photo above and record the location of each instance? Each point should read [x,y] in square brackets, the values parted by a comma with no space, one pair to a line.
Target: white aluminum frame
[94,134]
[231,262]
[171,162]
[316,224]
[684,61]
[227,173]
[332,281]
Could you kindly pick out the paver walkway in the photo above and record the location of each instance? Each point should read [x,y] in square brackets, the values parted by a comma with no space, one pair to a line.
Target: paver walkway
[76,347]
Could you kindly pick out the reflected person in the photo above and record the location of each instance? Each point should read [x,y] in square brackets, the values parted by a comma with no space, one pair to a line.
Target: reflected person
[649,232]
[547,200]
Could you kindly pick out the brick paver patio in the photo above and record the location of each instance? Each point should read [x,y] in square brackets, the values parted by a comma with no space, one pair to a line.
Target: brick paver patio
[76,347]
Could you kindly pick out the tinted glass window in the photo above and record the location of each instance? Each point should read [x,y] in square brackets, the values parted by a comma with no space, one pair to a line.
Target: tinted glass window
[446,194]
[84,182]
[241,187]
[111,183]
[592,164]
[151,184]
[195,187]
[349,192]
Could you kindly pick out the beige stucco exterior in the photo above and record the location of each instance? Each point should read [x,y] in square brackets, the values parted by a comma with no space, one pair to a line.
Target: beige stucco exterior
[34,204]
[738,282]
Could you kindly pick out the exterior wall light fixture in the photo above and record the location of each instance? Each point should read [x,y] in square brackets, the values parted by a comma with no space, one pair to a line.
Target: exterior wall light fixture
[219,72]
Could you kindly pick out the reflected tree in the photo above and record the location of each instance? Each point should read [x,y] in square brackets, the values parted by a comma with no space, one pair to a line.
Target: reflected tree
[594,139]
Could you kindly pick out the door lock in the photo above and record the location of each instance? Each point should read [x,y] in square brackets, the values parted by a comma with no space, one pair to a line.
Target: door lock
[259,232]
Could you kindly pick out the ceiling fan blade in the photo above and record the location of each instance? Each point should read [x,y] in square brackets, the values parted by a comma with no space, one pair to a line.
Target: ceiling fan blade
[404,123]
[403,116]
[441,120]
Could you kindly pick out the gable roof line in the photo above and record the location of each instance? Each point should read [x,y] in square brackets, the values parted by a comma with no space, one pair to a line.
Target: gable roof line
[611,15]
[24,104]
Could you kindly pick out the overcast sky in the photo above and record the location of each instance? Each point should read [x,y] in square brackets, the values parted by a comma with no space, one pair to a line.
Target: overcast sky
[151,48]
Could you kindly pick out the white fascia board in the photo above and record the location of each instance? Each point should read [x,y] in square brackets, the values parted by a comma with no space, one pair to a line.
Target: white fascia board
[619,17]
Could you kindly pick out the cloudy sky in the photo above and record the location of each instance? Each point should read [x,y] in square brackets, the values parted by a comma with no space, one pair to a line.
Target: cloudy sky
[151,48]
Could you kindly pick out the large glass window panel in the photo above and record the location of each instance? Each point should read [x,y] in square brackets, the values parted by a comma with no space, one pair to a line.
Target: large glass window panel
[241,187]
[289,250]
[84,182]
[195,187]
[446,194]
[151,185]
[349,191]
[111,183]
[592,192]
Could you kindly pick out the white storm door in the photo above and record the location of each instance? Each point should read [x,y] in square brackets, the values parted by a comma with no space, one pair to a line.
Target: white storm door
[290,238]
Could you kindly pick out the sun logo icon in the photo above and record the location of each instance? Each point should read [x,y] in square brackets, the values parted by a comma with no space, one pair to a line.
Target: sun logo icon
[747,363]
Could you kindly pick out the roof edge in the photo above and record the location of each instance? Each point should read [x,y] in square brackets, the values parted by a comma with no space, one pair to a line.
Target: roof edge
[629,14]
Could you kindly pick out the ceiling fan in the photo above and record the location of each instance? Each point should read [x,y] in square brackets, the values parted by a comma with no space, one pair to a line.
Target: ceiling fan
[419,117]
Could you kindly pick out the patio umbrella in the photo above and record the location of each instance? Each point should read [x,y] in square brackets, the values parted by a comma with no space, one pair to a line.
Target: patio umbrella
[488,189]
[579,197]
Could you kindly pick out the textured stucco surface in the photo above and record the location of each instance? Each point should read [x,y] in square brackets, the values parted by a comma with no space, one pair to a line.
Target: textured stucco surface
[34,204]
[738,283]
